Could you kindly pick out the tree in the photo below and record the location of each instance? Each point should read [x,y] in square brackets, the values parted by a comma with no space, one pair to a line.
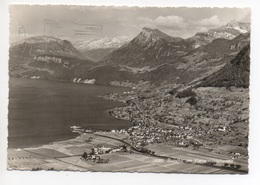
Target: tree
[226,164]
[173,91]
[192,100]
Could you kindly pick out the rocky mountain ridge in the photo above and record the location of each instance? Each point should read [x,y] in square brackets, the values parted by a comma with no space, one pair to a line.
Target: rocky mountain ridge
[37,45]
[150,47]
[96,49]
[152,56]
[100,43]
[44,57]
[228,31]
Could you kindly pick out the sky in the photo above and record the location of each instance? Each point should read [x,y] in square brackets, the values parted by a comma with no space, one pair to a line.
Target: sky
[88,22]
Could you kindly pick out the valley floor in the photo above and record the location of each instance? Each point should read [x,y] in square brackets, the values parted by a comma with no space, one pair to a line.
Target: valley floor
[66,155]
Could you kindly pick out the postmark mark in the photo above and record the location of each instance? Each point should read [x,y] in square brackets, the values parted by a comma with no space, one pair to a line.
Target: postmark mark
[53,27]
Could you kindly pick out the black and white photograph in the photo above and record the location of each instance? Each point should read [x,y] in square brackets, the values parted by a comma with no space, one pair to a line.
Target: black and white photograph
[107,89]
[129,89]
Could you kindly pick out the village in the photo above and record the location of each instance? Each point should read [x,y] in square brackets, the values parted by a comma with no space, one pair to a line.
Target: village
[217,121]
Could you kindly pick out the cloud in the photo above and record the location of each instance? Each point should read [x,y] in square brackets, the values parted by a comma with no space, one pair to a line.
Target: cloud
[201,29]
[170,21]
[123,19]
[176,25]
[144,19]
[146,22]
[208,22]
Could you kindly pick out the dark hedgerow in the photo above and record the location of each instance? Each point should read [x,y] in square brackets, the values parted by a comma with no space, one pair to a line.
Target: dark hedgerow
[173,91]
[186,93]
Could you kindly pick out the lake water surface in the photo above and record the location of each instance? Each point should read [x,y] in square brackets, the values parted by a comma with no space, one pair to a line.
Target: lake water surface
[42,111]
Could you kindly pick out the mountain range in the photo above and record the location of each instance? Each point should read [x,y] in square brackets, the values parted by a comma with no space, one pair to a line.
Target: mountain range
[46,57]
[96,49]
[228,31]
[37,45]
[151,56]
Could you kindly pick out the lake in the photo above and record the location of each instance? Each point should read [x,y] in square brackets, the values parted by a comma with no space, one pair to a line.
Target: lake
[41,112]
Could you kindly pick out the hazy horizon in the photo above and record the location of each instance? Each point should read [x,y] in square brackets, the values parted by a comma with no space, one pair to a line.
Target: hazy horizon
[90,22]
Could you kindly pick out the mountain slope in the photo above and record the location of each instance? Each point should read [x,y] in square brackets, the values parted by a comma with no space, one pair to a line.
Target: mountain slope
[37,45]
[198,63]
[221,46]
[46,58]
[152,56]
[228,31]
[150,47]
[153,47]
[108,74]
[96,54]
[189,67]
[235,73]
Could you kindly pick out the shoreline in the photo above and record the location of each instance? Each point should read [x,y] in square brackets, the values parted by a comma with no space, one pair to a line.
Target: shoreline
[71,82]
[62,137]
[75,131]
[43,145]
[80,134]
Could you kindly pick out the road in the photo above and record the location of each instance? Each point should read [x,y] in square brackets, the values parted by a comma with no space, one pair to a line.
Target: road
[172,158]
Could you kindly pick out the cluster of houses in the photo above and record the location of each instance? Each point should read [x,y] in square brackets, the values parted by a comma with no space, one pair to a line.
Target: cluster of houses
[92,157]
[101,149]
[207,121]
[86,81]
[142,136]
[98,150]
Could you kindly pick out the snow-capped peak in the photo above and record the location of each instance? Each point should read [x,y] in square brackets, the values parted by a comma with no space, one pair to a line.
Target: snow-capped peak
[233,23]
[230,30]
[97,43]
[239,26]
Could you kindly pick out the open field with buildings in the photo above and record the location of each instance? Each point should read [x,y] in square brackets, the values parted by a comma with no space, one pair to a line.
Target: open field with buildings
[67,155]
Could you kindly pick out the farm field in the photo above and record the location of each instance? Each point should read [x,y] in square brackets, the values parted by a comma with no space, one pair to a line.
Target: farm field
[66,155]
